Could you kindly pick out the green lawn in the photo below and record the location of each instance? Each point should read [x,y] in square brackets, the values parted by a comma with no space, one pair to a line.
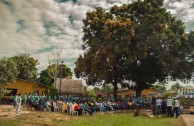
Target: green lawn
[107,119]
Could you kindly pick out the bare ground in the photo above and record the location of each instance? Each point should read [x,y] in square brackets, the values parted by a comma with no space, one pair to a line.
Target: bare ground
[8,111]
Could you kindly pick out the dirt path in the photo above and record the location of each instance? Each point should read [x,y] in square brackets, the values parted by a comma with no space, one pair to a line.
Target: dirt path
[188,119]
[8,111]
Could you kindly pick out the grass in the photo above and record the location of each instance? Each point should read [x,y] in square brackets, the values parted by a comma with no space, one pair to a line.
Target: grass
[107,119]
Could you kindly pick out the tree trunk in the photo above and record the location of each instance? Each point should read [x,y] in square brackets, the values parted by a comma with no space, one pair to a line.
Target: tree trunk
[115,90]
[55,85]
[139,88]
[138,92]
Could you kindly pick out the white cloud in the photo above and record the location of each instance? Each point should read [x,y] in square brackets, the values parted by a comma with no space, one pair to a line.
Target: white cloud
[182,9]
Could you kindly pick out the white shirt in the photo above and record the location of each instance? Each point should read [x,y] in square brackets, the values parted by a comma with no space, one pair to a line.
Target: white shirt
[176,103]
[158,102]
[55,104]
[48,103]
[169,102]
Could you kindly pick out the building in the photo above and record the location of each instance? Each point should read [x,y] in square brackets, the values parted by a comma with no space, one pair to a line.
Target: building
[130,93]
[23,86]
[70,86]
[185,92]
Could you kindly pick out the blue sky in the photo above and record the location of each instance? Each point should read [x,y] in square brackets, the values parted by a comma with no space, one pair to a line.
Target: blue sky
[36,26]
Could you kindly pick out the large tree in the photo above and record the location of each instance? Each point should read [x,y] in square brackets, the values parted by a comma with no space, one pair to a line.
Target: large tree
[8,73]
[46,79]
[191,45]
[140,41]
[26,66]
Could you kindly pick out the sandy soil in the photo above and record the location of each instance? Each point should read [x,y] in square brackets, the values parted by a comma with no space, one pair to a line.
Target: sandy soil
[8,111]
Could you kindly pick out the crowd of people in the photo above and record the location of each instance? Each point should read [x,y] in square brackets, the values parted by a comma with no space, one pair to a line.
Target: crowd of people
[81,105]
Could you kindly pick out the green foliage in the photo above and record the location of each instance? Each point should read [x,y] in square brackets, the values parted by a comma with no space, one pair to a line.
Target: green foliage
[3,92]
[140,41]
[106,89]
[112,119]
[26,66]
[96,89]
[8,71]
[160,88]
[46,79]
[52,91]
[8,74]
[191,45]
[176,86]
[168,93]
[90,93]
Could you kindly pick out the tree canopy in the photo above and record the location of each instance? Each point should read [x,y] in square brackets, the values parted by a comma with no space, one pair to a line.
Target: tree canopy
[140,41]
[26,66]
[8,72]
[46,79]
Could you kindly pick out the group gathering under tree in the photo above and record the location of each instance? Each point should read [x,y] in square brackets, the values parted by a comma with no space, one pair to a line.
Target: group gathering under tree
[139,42]
[80,105]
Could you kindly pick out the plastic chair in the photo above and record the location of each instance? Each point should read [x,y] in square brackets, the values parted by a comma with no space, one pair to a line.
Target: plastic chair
[72,111]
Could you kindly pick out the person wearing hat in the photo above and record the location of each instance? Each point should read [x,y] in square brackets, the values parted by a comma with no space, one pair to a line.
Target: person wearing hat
[169,106]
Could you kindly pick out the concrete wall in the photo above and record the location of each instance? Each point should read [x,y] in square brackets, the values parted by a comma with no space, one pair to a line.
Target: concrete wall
[145,93]
[26,87]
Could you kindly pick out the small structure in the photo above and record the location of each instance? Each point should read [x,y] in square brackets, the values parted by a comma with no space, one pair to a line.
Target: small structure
[70,86]
[149,93]
[24,86]
[185,92]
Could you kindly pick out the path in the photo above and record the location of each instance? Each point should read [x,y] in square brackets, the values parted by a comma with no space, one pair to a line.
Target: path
[189,119]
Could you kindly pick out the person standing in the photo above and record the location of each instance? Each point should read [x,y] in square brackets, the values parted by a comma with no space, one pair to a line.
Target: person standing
[163,106]
[159,104]
[169,106]
[18,104]
[20,101]
[15,100]
[25,99]
[176,107]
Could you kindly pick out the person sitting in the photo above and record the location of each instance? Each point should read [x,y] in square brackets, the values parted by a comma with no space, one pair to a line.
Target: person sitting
[36,103]
[48,104]
[92,107]
[86,108]
[110,106]
[60,105]
[106,105]
[55,106]
[101,106]
[78,108]
[65,107]
[44,105]
[130,104]
[136,107]
[40,105]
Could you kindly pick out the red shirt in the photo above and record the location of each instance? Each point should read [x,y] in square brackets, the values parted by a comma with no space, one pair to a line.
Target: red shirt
[76,106]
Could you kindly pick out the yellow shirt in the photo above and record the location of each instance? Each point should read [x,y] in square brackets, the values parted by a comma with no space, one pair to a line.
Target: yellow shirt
[65,105]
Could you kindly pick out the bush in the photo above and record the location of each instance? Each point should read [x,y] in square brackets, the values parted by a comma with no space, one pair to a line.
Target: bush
[52,91]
